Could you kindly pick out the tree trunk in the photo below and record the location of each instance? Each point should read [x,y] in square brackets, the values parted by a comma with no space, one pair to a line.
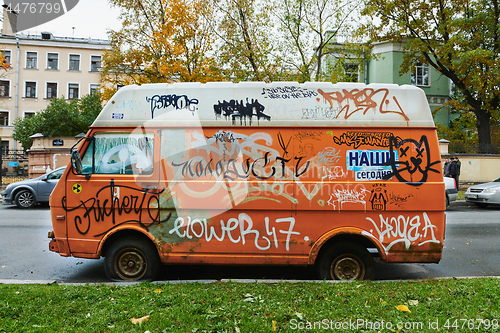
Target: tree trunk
[483,131]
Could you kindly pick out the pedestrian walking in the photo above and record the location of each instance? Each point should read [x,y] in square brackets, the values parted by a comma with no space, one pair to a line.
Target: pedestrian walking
[446,169]
[454,171]
[459,164]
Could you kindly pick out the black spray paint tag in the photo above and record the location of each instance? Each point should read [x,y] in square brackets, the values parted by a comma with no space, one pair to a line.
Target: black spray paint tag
[25,14]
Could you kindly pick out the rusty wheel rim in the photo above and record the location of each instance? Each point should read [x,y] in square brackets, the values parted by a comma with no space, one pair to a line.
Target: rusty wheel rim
[347,267]
[130,264]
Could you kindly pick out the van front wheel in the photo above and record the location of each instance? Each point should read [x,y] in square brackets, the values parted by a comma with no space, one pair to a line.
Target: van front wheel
[131,259]
[346,261]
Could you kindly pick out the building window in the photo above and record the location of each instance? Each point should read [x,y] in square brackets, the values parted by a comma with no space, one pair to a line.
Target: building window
[51,90]
[95,63]
[4,88]
[73,90]
[5,148]
[30,90]
[352,72]
[420,75]
[74,62]
[4,118]
[29,114]
[94,88]
[31,60]
[6,55]
[52,61]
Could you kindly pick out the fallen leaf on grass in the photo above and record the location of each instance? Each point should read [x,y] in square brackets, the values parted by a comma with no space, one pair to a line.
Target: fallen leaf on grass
[251,298]
[139,321]
[413,302]
[159,290]
[275,326]
[403,308]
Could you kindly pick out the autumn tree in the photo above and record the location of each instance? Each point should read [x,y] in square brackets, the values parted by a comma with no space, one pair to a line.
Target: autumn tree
[5,66]
[459,38]
[160,41]
[247,38]
[307,27]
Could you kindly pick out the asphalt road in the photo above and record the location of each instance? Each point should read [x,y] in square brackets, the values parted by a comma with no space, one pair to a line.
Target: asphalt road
[472,246]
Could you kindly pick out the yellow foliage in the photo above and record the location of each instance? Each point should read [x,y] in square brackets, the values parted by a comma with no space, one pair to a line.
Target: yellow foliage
[139,321]
[403,308]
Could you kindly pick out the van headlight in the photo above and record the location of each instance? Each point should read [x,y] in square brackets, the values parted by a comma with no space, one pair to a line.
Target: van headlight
[491,190]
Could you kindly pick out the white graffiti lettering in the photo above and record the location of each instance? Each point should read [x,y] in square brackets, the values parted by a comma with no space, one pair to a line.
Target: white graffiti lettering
[333,173]
[237,230]
[341,197]
[404,229]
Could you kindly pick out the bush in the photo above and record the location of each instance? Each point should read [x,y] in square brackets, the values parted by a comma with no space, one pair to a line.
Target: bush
[60,118]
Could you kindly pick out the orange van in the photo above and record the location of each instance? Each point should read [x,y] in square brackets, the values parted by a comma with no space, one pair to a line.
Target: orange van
[254,174]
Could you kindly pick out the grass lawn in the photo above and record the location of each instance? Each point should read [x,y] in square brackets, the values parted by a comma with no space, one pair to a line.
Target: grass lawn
[462,305]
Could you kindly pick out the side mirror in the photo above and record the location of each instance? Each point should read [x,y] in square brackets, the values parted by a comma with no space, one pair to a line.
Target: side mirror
[44,178]
[76,161]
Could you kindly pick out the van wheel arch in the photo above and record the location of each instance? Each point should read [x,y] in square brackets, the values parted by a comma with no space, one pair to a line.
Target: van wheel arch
[348,252]
[136,247]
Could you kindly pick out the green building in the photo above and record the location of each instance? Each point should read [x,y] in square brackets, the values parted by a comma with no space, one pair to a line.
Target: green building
[384,67]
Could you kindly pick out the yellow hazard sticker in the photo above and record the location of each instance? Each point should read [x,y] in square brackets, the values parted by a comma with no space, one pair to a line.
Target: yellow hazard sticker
[77,188]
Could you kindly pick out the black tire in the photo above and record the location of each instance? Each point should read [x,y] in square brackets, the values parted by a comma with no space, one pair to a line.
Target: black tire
[346,261]
[25,199]
[131,259]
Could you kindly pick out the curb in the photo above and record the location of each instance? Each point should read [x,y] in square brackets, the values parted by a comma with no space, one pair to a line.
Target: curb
[242,281]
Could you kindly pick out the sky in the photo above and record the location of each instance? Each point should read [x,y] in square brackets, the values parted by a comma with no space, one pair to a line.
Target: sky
[90,18]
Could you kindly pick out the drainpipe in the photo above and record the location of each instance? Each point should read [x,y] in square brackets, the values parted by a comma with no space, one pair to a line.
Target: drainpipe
[366,66]
[16,107]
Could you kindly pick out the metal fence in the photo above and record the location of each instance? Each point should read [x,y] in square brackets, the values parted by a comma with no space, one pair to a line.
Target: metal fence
[12,162]
[13,155]
[457,147]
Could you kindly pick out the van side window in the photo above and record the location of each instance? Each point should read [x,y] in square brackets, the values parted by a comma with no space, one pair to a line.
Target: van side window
[120,153]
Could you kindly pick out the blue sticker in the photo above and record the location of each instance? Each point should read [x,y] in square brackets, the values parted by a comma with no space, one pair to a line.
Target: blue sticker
[369,164]
[117,116]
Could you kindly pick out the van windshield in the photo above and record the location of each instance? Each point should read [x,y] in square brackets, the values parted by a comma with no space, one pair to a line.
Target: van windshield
[119,153]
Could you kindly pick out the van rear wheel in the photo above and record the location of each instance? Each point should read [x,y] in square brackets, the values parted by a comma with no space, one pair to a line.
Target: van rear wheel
[131,259]
[346,261]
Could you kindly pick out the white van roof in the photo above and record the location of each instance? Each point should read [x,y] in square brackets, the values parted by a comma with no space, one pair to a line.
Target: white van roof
[267,104]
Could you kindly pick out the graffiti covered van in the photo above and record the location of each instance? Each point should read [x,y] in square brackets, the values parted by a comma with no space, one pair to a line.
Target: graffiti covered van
[253,173]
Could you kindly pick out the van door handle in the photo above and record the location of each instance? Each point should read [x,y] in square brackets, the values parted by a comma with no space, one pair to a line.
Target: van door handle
[150,188]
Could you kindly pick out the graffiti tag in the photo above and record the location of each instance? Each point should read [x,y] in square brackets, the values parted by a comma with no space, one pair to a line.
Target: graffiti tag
[341,197]
[237,230]
[361,100]
[356,139]
[404,229]
[288,92]
[177,102]
[108,204]
[237,109]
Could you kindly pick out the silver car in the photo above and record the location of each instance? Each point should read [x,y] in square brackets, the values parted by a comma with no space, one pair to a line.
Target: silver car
[451,192]
[484,194]
[27,193]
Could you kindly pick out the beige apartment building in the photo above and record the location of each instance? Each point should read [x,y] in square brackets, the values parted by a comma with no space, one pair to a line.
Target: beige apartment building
[42,67]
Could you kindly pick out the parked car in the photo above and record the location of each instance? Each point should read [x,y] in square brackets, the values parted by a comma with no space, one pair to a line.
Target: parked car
[484,194]
[27,193]
[451,191]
